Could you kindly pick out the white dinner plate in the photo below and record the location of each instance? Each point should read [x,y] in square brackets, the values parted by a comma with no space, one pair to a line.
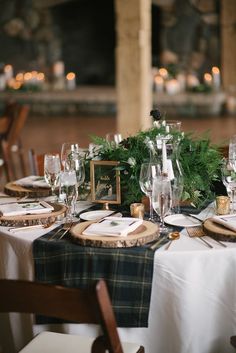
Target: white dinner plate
[95,215]
[180,220]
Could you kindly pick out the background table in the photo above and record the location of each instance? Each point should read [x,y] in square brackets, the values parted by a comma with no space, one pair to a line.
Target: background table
[192,305]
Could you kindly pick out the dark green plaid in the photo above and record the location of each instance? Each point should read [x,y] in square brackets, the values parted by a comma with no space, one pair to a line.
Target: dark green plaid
[127,271]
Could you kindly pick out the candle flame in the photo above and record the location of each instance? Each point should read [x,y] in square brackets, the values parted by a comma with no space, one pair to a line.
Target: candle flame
[158,79]
[215,70]
[163,72]
[207,77]
[70,76]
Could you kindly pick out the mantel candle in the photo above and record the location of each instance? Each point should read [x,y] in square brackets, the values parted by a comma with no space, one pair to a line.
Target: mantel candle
[8,71]
[159,83]
[172,86]
[216,77]
[58,69]
[70,81]
[208,79]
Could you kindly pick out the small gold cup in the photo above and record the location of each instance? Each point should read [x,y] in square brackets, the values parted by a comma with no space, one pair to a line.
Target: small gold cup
[137,210]
[222,205]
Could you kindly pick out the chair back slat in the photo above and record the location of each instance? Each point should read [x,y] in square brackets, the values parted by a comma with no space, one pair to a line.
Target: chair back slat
[71,304]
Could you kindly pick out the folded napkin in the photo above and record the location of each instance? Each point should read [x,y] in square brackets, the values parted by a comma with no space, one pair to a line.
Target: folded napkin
[25,208]
[32,181]
[228,221]
[113,226]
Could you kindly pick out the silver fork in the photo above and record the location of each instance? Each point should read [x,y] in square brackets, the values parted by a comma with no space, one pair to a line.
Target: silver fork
[61,228]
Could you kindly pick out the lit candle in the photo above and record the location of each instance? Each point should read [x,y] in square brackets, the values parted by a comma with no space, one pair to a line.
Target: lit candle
[216,77]
[163,73]
[181,78]
[164,157]
[192,81]
[208,79]
[172,86]
[159,83]
[70,81]
[58,69]
[8,70]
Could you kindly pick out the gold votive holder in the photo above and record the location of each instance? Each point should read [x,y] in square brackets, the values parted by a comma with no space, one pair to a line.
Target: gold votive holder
[222,205]
[137,210]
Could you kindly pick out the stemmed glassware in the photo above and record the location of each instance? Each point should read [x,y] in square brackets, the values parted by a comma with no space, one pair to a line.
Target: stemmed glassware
[68,150]
[148,173]
[114,139]
[232,148]
[52,169]
[161,199]
[69,192]
[229,178]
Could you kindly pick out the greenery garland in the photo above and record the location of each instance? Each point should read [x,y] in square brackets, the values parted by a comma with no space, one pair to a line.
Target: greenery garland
[200,161]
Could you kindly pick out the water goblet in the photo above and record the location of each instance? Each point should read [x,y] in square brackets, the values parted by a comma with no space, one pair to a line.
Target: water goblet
[52,169]
[232,148]
[148,173]
[68,150]
[114,139]
[68,192]
[228,171]
[161,199]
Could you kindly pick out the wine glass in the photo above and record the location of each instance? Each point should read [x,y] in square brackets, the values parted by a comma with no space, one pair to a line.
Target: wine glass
[114,139]
[68,150]
[161,199]
[232,148]
[52,169]
[228,171]
[148,173]
[68,192]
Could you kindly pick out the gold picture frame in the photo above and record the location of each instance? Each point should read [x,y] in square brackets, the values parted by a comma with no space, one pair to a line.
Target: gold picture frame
[105,182]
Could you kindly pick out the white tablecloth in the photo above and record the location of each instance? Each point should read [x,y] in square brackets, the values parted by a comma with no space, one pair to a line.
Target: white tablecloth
[193,300]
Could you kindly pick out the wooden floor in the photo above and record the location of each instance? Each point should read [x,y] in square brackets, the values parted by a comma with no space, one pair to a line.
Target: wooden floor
[46,134]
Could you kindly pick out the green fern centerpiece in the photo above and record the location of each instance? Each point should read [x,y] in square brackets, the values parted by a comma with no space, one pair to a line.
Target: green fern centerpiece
[200,161]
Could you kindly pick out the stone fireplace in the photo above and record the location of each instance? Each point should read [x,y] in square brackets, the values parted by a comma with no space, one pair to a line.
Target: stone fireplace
[37,33]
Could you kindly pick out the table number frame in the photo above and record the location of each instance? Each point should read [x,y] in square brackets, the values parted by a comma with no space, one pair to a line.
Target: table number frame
[105,182]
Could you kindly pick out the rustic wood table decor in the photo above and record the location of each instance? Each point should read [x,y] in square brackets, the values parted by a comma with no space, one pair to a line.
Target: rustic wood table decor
[218,231]
[28,220]
[16,190]
[145,233]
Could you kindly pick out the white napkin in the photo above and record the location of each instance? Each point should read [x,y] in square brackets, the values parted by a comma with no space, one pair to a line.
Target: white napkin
[34,181]
[113,226]
[229,221]
[24,208]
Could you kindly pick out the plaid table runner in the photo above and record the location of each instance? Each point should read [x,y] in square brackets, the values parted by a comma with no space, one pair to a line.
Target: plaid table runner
[127,271]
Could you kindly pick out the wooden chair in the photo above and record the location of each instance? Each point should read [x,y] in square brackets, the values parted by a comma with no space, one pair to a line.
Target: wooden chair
[233,341]
[36,163]
[72,304]
[11,140]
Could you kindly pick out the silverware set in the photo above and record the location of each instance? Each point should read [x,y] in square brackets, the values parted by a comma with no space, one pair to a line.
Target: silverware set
[62,231]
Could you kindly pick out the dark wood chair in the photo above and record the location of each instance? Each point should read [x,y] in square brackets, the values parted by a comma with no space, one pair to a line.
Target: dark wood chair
[36,163]
[72,304]
[233,341]
[11,143]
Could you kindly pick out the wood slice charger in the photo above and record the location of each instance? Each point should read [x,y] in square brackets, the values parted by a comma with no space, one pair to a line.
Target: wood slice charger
[15,190]
[33,219]
[218,231]
[145,233]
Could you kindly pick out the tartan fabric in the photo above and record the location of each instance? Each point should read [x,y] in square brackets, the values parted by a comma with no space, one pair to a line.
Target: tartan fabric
[127,271]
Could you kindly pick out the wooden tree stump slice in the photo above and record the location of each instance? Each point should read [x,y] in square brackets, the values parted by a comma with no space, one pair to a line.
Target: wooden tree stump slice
[218,231]
[19,191]
[42,218]
[145,233]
